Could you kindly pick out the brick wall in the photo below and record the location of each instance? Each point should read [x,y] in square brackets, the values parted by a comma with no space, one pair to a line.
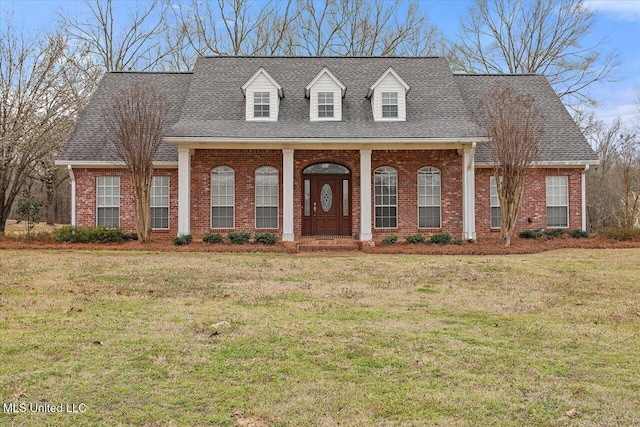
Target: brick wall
[407,163]
[86,198]
[533,211]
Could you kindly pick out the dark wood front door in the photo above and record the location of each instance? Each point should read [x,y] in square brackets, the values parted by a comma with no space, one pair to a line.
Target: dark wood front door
[326,205]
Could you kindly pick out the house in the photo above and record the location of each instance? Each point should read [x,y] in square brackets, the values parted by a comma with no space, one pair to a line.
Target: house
[326,146]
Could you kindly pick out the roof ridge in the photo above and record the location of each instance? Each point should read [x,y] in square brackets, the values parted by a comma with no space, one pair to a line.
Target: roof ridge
[319,57]
[148,72]
[497,74]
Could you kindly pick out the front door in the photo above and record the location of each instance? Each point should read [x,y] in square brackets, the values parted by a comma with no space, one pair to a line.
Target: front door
[326,200]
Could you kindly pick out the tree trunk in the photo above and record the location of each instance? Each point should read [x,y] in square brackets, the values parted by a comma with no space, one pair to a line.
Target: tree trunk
[142,203]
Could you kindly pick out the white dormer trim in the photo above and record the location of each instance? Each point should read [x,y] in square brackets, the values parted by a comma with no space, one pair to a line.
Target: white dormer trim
[262,82]
[391,71]
[389,87]
[325,85]
[325,70]
[273,81]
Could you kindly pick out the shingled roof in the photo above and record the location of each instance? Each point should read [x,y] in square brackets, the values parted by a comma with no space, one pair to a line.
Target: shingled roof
[87,144]
[209,104]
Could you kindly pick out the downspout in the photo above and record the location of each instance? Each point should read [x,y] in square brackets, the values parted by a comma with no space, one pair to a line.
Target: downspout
[73,195]
[584,198]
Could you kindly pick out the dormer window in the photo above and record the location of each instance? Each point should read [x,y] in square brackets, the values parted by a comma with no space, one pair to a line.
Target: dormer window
[388,97]
[260,104]
[389,104]
[325,104]
[262,94]
[325,93]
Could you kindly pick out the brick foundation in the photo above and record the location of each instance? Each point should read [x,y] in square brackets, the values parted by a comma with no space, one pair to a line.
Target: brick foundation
[407,163]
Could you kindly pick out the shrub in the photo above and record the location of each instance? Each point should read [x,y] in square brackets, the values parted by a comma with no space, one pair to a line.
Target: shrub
[183,239]
[238,238]
[531,234]
[266,238]
[389,240]
[578,234]
[102,234]
[28,210]
[416,238]
[553,233]
[129,236]
[441,238]
[619,233]
[457,241]
[212,238]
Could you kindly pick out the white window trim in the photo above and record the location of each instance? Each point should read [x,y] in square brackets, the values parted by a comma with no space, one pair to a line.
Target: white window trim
[375,205]
[492,181]
[333,118]
[255,200]
[547,205]
[119,196]
[272,117]
[427,206]
[168,201]
[211,206]
[382,105]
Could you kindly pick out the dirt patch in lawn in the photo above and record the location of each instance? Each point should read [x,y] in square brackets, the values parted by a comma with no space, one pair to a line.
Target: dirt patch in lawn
[489,245]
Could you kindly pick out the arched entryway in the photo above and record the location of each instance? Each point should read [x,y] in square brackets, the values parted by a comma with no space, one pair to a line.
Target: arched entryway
[326,200]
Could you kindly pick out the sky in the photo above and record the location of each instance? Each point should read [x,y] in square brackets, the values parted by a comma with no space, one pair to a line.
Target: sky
[617,21]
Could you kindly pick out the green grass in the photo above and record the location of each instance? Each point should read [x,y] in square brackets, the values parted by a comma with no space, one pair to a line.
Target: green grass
[273,339]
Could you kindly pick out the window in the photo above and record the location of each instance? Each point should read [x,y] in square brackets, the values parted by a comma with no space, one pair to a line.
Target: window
[222,197]
[389,104]
[386,199]
[495,203]
[429,198]
[160,202]
[261,104]
[267,197]
[108,200]
[557,201]
[325,104]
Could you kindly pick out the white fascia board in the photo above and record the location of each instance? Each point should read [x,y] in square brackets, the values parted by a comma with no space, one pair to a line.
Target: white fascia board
[389,70]
[550,164]
[325,70]
[261,70]
[391,141]
[114,164]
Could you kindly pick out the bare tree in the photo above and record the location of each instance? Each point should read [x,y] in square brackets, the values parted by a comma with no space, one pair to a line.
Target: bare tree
[36,109]
[603,190]
[515,127]
[235,27]
[629,170]
[135,43]
[135,124]
[535,36]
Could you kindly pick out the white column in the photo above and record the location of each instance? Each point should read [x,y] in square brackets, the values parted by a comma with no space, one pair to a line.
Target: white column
[73,195]
[287,195]
[365,195]
[468,193]
[584,198]
[184,191]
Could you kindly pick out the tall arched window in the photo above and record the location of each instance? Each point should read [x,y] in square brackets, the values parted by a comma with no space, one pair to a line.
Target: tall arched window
[386,197]
[222,197]
[266,197]
[429,201]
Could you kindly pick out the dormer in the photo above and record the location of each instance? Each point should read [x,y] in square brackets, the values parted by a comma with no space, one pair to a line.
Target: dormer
[388,97]
[325,93]
[262,94]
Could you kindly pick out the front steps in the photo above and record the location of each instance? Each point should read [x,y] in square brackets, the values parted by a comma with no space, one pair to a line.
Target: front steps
[327,245]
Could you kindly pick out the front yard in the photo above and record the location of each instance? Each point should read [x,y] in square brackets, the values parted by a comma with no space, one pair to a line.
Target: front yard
[188,338]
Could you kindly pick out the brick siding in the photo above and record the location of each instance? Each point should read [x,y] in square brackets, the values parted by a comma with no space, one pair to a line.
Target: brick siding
[407,164]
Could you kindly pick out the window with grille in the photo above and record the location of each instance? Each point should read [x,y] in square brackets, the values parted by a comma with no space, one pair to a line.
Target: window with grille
[429,199]
[261,104]
[495,203]
[267,197]
[325,104]
[222,197]
[386,197]
[389,104]
[160,202]
[108,201]
[557,201]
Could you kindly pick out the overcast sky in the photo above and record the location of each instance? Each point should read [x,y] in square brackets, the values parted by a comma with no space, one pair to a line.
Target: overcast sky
[617,20]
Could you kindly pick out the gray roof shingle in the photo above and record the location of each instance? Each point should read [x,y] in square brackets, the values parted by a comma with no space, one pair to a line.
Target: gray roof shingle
[209,103]
[86,142]
[563,139]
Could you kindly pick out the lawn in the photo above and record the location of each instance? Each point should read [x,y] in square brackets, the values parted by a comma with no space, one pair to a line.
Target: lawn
[146,338]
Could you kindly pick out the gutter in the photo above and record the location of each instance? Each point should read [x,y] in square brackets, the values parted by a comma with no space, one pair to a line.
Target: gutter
[73,195]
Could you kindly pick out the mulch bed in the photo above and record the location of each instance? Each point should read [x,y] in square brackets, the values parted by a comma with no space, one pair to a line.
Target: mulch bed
[484,246]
